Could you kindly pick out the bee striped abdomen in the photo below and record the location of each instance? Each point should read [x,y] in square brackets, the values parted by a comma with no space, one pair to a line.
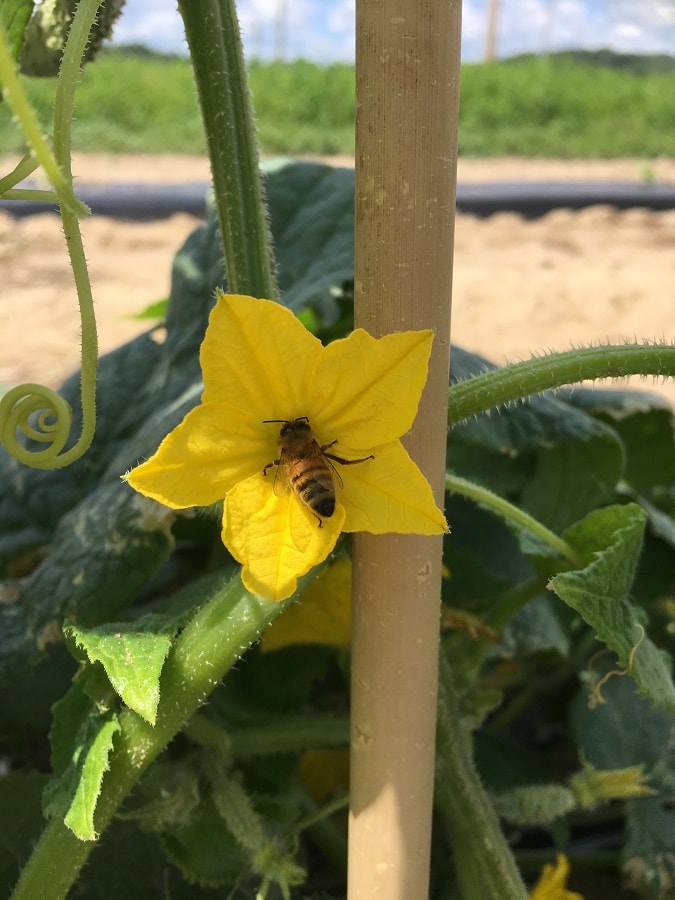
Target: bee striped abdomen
[315,487]
[306,468]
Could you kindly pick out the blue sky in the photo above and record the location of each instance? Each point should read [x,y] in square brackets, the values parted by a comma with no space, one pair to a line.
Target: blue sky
[323,30]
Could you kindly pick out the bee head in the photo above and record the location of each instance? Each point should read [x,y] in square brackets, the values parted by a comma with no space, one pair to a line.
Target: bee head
[291,426]
[297,426]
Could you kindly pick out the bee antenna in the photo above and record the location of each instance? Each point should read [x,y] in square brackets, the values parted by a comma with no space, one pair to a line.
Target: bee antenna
[272,421]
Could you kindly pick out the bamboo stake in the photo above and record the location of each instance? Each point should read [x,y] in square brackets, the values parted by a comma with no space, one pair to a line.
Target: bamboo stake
[407,86]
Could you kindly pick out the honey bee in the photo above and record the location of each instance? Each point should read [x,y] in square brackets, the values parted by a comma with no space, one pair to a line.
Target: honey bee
[307,468]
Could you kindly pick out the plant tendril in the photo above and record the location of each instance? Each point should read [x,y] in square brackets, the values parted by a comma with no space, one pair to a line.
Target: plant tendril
[38,412]
[41,415]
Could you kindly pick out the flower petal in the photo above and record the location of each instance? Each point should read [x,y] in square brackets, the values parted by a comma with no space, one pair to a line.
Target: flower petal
[277,538]
[322,615]
[202,458]
[366,390]
[552,881]
[260,353]
[390,494]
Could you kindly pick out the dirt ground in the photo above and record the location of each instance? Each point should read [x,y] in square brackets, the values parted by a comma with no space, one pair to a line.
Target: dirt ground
[521,287]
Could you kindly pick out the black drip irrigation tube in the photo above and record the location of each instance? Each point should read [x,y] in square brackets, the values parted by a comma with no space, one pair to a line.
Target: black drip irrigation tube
[530,199]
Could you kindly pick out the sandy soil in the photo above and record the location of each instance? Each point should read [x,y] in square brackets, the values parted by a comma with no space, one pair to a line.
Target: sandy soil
[521,287]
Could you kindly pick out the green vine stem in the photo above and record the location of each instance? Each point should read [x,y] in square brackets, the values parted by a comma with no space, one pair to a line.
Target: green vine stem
[25,167]
[221,630]
[511,513]
[286,734]
[15,96]
[212,32]
[485,867]
[37,196]
[21,403]
[514,382]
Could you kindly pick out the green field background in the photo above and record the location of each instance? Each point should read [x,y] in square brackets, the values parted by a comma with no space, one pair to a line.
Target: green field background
[581,105]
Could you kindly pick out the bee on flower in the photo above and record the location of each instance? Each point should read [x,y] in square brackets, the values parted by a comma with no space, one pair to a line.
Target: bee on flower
[306,466]
[342,406]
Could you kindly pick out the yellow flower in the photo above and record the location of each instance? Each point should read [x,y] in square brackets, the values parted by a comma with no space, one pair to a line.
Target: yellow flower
[551,884]
[358,396]
[324,772]
[595,786]
[322,615]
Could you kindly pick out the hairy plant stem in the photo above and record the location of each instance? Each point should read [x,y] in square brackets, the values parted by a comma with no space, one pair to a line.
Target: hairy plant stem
[287,734]
[519,380]
[14,94]
[25,167]
[216,53]
[221,630]
[485,866]
[511,513]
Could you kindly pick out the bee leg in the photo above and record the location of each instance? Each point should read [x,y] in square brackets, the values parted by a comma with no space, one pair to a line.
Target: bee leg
[274,462]
[326,446]
[348,462]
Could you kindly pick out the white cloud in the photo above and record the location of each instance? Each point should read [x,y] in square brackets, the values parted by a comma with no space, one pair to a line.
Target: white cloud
[323,30]
[151,22]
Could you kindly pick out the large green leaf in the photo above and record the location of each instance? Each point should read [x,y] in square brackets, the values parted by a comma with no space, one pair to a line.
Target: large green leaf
[101,554]
[611,540]
[625,731]
[646,425]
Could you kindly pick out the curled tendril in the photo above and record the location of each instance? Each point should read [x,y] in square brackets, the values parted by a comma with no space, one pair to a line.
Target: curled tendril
[41,415]
[31,409]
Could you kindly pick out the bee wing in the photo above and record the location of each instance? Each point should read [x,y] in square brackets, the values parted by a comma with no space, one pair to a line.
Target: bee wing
[281,481]
[336,474]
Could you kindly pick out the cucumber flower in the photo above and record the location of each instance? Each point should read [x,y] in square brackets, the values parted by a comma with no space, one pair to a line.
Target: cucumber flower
[300,441]
[553,880]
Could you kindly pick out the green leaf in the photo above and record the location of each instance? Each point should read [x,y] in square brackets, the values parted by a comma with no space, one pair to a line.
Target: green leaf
[129,863]
[606,734]
[156,310]
[38,499]
[102,552]
[481,556]
[80,815]
[132,654]
[82,740]
[648,856]
[573,478]
[14,16]
[646,425]
[204,849]
[611,539]
[312,211]
[21,821]
[536,628]
[170,791]
[32,686]
[278,682]
[554,460]
[626,731]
